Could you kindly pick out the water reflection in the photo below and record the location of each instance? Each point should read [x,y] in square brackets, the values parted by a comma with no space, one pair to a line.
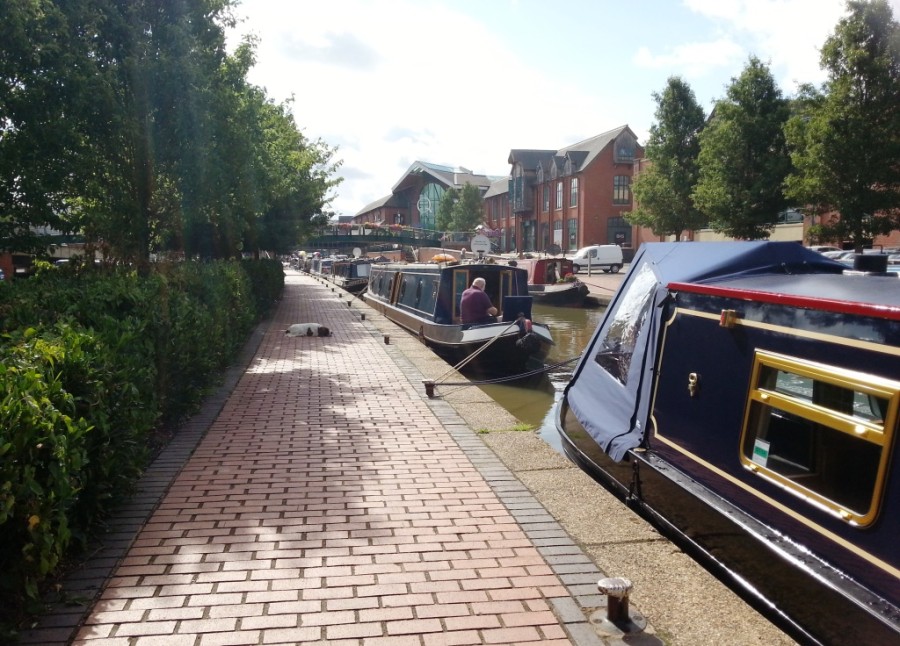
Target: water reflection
[572,328]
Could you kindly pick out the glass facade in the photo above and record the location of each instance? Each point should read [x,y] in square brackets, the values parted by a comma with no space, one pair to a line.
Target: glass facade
[429,200]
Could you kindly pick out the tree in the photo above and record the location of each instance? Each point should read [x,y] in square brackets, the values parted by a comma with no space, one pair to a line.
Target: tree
[127,121]
[663,191]
[743,157]
[845,141]
[460,209]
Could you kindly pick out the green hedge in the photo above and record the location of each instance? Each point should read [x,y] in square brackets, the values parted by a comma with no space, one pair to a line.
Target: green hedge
[93,363]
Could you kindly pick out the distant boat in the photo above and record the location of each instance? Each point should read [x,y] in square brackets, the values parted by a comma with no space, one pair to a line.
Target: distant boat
[424,299]
[321,266]
[745,398]
[551,281]
[352,274]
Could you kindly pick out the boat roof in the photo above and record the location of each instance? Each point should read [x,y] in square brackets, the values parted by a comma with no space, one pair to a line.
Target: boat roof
[614,406]
[860,295]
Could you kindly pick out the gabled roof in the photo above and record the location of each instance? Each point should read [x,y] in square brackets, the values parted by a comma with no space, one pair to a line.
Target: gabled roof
[450,177]
[387,200]
[498,187]
[529,158]
[581,154]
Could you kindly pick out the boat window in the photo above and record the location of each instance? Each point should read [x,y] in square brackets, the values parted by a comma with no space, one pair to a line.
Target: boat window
[821,432]
[363,269]
[403,284]
[624,326]
[418,296]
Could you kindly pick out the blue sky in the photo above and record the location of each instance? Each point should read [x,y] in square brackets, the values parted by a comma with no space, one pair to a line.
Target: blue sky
[462,82]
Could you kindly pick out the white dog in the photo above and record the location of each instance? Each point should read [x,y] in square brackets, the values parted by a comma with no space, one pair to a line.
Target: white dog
[307,329]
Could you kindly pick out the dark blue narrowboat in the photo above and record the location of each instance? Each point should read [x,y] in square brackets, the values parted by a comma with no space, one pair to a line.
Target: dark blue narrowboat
[424,299]
[352,274]
[744,397]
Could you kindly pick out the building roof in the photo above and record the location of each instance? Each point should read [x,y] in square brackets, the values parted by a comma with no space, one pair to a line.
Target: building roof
[449,177]
[498,187]
[581,153]
[387,200]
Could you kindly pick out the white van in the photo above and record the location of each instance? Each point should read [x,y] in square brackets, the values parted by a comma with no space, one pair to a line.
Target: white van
[607,257]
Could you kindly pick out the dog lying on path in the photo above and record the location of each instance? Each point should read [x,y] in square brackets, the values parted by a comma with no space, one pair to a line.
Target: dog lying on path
[307,329]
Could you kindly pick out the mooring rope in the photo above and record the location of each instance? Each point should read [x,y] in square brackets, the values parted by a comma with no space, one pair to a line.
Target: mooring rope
[499,380]
[476,353]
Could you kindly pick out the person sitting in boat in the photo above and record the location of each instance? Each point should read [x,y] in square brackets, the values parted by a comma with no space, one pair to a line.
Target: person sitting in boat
[475,307]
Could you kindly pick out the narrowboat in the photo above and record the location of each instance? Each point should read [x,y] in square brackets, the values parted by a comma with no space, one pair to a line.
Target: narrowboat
[424,298]
[744,397]
[321,266]
[551,281]
[351,275]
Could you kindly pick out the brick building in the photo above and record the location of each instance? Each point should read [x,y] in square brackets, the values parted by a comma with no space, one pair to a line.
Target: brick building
[569,198]
[414,199]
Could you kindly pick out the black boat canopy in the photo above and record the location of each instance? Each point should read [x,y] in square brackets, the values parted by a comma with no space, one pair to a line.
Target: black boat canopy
[611,388]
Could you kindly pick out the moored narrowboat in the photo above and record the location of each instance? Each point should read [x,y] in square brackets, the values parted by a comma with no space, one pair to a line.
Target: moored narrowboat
[352,274]
[745,398]
[551,281]
[424,298]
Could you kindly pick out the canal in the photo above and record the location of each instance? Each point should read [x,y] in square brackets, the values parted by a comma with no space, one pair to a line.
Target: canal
[572,328]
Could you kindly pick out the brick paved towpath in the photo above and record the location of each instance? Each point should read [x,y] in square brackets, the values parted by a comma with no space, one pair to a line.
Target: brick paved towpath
[329,501]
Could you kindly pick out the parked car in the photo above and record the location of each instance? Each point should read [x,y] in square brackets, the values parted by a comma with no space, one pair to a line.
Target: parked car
[607,257]
[823,248]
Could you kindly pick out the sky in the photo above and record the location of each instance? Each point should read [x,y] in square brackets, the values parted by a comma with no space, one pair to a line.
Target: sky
[462,82]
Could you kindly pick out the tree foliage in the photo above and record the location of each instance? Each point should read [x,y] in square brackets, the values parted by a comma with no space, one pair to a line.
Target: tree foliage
[128,122]
[460,209]
[744,157]
[663,192]
[845,140]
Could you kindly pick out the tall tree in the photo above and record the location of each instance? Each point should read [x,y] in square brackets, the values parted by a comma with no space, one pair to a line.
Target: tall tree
[663,191]
[460,209]
[744,158]
[845,141]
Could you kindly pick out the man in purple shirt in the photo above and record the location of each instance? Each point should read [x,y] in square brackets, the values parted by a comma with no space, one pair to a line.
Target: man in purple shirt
[475,306]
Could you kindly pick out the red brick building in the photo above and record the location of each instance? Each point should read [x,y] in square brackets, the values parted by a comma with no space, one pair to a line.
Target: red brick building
[569,198]
[414,199]
[566,198]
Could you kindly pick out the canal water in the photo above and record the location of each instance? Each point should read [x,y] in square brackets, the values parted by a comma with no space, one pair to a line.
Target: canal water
[571,328]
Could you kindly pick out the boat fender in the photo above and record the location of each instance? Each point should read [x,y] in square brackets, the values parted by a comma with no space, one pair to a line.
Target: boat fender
[528,341]
[523,324]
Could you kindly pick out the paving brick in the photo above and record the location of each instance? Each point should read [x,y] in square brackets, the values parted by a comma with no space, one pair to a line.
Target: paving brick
[300,510]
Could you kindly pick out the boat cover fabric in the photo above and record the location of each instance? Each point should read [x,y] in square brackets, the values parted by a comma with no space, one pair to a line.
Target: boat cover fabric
[611,388]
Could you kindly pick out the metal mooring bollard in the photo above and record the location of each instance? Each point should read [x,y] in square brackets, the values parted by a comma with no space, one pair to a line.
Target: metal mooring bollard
[387,339]
[616,590]
[349,303]
[362,316]
[429,388]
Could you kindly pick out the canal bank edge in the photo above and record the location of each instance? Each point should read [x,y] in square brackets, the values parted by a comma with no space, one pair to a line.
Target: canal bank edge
[683,604]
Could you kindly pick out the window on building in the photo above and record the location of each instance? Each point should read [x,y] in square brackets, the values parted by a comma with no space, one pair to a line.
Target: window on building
[621,189]
[573,235]
[618,231]
[559,195]
[573,192]
[545,197]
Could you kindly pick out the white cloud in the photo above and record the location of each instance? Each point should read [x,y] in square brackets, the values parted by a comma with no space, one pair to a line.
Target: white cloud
[693,59]
[786,34]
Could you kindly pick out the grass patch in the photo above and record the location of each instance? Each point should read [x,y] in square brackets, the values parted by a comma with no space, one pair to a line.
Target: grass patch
[521,426]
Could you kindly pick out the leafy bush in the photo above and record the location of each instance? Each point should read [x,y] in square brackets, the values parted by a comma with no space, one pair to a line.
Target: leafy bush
[94,362]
